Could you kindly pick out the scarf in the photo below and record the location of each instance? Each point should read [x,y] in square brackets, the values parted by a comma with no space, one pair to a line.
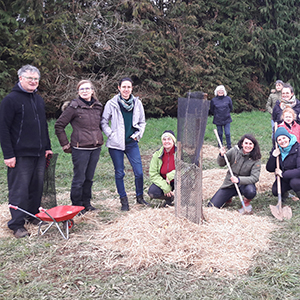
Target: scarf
[89,103]
[126,104]
[285,151]
[288,103]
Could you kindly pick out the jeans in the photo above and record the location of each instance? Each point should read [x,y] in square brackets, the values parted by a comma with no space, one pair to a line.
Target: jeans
[227,134]
[25,188]
[156,192]
[223,195]
[84,166]
[132,152]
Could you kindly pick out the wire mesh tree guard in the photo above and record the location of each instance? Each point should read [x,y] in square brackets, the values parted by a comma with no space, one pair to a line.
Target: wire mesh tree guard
[191,124]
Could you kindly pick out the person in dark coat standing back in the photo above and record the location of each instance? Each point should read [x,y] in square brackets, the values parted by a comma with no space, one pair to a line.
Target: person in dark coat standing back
[220,108]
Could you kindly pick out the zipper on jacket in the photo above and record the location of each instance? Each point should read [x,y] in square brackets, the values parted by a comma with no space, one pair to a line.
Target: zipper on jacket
[37,117]
[21,125]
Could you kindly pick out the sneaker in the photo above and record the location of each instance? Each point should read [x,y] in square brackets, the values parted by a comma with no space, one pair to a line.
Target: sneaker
[20,233]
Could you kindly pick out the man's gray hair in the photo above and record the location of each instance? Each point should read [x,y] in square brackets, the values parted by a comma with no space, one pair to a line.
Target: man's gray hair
[29,68]
[220,87]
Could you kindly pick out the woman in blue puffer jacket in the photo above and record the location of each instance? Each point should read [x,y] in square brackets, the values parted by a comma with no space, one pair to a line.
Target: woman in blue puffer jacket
[220,108]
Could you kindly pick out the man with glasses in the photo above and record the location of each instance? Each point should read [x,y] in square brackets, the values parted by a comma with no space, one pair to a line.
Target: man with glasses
[25,144]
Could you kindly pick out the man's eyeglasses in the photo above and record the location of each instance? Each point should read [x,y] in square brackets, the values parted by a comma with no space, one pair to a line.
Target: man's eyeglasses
[31,78]
[85,89]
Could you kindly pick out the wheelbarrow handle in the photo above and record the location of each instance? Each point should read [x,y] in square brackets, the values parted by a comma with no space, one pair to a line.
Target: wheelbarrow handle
[42,209]
[13,206]
[22,210]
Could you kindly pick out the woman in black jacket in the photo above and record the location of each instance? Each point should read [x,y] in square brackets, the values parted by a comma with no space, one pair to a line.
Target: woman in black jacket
[289,162]
[220,108]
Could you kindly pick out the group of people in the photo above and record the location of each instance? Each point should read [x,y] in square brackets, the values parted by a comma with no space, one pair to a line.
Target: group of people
[26,145]
[244,158]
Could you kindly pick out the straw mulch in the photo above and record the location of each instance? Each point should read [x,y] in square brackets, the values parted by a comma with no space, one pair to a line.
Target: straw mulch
[224,244]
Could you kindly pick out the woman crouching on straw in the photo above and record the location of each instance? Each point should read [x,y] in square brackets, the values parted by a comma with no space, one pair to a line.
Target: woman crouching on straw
[245,163]
[162,170]
[289,162]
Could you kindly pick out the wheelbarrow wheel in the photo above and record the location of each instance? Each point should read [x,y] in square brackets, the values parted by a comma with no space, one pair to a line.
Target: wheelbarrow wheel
[69,223]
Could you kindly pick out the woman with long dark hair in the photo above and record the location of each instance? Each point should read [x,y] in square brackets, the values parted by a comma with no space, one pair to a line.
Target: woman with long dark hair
[245,163]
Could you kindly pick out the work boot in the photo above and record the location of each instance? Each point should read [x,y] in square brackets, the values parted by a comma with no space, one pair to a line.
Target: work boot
[88,206]
[248,207]
[168,201]
[124,203]
[140,200]
[20,233]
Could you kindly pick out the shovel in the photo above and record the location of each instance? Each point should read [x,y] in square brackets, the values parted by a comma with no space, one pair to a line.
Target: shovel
[243,210]
[278,211]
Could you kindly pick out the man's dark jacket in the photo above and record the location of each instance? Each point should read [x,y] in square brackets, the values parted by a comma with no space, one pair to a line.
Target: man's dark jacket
[23,124]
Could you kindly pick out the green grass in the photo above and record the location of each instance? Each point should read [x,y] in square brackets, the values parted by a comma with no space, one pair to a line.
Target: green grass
[45,269]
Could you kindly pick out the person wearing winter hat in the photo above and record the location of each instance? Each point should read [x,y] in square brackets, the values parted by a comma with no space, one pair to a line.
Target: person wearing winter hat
[162,170]
[289,162]
[220,108]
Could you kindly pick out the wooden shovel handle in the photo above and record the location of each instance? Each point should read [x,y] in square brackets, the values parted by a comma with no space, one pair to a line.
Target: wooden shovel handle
[230,170]
[277,163]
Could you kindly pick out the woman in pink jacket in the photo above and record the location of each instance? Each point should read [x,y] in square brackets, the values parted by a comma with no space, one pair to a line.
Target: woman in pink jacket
[289,122]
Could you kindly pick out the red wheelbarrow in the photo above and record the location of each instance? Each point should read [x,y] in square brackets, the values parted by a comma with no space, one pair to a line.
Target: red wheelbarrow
[54,215]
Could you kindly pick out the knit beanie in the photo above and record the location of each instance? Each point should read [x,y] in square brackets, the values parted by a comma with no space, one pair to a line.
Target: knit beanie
[282,131]
[169,133]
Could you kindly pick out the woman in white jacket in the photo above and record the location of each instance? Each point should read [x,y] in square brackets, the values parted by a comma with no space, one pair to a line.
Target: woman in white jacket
[127,125]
